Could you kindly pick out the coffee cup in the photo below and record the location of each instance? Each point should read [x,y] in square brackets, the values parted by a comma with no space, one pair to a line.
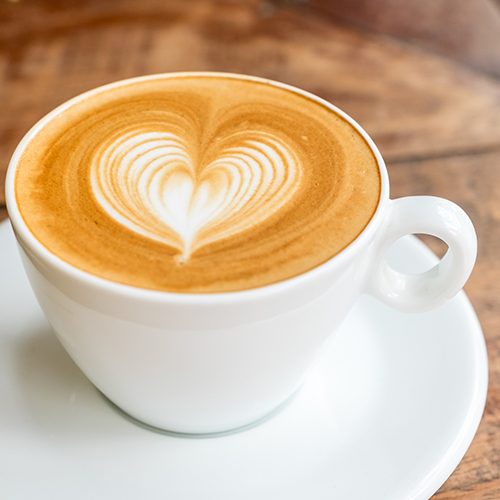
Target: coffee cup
[196,239]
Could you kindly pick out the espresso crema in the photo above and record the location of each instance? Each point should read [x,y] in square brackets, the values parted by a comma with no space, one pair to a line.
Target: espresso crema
[197,183]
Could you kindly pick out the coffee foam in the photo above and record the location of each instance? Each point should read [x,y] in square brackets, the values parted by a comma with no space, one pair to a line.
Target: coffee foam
[197,184]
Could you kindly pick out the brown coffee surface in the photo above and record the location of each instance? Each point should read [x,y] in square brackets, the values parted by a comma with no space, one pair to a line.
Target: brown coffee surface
[197,183]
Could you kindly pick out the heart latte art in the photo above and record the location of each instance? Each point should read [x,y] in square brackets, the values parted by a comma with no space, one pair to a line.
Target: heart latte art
[196,183]
[148,182]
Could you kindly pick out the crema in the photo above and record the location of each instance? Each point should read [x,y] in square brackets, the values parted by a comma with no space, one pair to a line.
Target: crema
[197,183]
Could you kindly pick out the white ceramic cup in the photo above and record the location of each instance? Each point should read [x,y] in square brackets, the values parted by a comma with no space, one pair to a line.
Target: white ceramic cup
[205,363]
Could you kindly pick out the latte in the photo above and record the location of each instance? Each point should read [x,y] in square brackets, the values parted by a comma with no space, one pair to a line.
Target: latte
[197,183]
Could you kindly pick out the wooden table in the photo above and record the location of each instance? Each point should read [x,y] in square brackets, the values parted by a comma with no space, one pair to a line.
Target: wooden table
[436,121]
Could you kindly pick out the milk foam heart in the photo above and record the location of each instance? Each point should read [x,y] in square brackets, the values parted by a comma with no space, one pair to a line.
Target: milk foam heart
[149,183]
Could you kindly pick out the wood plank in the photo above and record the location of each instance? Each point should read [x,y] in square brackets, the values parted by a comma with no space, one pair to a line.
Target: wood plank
[472,181]
[411,102]
[466,31]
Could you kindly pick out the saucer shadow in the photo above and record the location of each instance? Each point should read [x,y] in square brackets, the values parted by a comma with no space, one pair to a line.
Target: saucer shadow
[55,391]
[65,403]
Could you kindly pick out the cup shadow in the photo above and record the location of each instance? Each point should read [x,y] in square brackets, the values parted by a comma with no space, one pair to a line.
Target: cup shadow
[65,403]
[55,391]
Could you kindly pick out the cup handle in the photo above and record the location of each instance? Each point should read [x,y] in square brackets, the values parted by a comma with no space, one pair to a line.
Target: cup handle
[425,291]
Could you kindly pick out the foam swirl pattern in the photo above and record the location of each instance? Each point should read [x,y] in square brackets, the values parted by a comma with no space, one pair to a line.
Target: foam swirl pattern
[197,183]
[148,182]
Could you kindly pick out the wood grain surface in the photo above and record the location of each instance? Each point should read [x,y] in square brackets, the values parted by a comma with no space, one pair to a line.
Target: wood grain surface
[436,121]
[468,31]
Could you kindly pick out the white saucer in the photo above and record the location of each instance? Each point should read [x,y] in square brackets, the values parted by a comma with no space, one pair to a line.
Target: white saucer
[388,414]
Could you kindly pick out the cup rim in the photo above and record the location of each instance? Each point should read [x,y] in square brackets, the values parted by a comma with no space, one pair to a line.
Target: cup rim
[28,239]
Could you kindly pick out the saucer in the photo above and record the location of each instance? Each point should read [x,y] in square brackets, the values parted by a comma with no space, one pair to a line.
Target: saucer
[387,414]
